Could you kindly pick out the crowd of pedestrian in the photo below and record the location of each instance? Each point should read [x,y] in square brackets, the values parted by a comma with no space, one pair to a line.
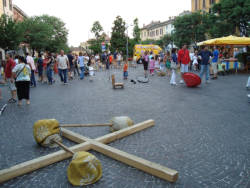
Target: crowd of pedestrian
[19,72]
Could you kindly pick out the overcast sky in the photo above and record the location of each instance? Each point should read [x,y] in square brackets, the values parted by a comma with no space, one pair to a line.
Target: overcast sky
[79,15]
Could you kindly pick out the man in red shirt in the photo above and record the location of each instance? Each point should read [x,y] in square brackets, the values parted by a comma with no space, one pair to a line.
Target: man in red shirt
[10,64]
[183,59]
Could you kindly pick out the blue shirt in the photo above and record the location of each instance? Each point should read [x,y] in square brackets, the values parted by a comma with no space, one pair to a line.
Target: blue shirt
[216,56]
[81,61]
[205,55]
[174,57]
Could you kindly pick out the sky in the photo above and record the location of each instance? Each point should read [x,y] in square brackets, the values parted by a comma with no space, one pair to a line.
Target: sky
[79,15]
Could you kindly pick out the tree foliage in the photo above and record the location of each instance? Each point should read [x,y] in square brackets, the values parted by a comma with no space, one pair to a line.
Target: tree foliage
[45,33]
[97,29]
[95,44]
[190,29]
[118,37]
[231,16]
[10,33]
[136,31]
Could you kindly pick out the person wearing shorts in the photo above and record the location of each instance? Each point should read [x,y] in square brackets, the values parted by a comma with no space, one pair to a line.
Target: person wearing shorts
[183,59]
[10,64]
[215,62]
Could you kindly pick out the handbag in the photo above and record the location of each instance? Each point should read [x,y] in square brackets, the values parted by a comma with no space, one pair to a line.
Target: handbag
[20,72]
[173,65]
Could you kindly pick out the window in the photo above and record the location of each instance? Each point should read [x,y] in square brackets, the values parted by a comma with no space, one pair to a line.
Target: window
[157,32]
[145,34]
[161,31]
[196,4]
[10,4]
[212,2]
[4,3]
[204,3]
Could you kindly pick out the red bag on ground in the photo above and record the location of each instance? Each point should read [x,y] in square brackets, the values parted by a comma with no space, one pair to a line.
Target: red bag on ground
[191,79]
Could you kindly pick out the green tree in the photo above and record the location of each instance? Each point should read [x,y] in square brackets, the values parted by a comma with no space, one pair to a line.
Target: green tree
[10,33]
[118,37]
[190,29]
[45,33]
[136,31]
[97,29]
[95,44]
[231,17]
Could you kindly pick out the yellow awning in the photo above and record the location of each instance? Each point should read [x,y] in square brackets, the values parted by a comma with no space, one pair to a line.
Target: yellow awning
[230,40]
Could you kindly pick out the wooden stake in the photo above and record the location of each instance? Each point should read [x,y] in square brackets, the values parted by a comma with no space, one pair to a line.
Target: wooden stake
[29,166]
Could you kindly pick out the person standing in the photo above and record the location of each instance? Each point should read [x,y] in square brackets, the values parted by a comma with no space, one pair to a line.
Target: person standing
[145,61]
[71,65]
[40,67]
[173,67]
[22,74]
[30,62]
[50,65]
[125,71]
[63,65]
[215,62]
[81,65]
[152,66]
[76,69]
[205,57]
[119,59]
[183,60]
[10,64]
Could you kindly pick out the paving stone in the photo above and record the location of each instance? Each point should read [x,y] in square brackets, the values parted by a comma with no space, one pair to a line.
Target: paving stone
[202,132]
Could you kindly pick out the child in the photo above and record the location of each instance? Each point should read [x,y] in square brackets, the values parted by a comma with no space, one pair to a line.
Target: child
[168,63]
[125,71]
[151,66]
[157,63]
[195,61]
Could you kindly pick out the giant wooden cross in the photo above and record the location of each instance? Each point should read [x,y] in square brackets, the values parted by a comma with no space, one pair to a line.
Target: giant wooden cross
[99,145]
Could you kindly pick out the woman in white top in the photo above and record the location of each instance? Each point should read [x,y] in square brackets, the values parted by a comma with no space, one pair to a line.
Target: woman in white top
[22,74]
[195,60]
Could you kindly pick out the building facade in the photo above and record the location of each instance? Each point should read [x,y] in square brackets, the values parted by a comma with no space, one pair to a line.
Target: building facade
[203,5]
[18,14]
[6,7]
[156,30]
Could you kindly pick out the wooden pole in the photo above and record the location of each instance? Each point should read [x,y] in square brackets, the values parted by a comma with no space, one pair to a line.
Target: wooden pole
[86,125]
[29,166]
[64,147]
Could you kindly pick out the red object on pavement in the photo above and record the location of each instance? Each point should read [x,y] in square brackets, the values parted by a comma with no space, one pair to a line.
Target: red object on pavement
[191,79]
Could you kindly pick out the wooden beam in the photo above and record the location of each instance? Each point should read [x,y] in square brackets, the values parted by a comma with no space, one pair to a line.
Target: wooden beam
[137,162]
[29,166]
[75,137]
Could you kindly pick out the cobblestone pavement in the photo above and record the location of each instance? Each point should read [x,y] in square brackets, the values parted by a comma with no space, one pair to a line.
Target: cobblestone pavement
[203,132]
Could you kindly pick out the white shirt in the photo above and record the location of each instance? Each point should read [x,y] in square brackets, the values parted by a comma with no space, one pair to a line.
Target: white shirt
[62,62]
[86,59]
[30,61]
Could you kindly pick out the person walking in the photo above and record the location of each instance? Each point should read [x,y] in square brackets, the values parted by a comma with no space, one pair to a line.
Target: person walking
[215,62]
[152,66]
[30,62]
[183,60]
[205,57]
[22,73]
[81,65]
[71,65]
[63,65]
[9,66]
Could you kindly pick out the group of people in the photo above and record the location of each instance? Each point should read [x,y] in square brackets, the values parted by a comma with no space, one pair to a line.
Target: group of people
[20,72]
[171,61]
